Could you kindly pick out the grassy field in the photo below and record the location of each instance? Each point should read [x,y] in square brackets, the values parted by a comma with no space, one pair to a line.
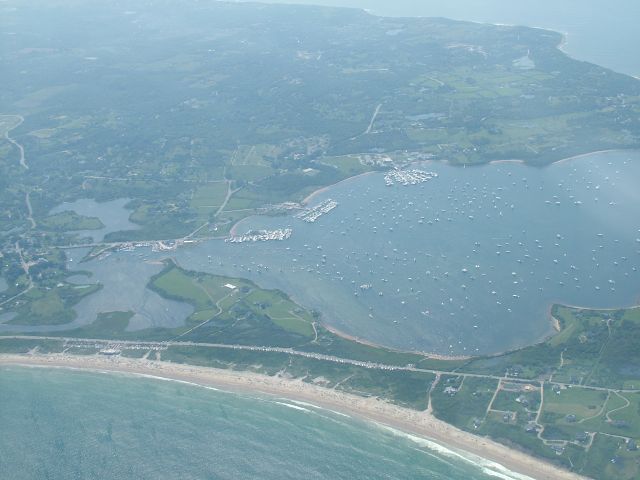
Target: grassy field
[462,401]
[348,165]
[230,305]
[580,402]
[49,306]
[70,221]
[208,198]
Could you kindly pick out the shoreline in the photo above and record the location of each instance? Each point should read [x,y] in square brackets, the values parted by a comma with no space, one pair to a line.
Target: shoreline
[428,355]
[309,197]
[373,410]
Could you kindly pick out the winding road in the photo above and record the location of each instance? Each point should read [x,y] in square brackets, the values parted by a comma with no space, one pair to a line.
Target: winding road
[23,162]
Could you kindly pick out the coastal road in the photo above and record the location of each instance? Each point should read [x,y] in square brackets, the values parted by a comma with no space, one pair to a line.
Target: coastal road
[132,344]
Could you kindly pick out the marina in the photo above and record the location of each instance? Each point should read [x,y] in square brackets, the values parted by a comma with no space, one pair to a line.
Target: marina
[475,257]
[470,264]
[408,177]
[261,236]
[310,215]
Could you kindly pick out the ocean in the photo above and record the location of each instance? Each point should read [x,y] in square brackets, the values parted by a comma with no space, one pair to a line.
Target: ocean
[66,424]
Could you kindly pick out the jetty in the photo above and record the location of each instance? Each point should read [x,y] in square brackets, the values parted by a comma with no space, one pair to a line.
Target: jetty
[261,236]
[312,214]
[408,177]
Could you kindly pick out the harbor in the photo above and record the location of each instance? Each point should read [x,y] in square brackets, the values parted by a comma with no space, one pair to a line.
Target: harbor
[441,269]
[310,215]
[408,177]
[261,236]
[445,268]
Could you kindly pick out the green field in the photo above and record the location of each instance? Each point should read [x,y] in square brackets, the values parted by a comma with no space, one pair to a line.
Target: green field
[70,221]
[226,303]
[208,198]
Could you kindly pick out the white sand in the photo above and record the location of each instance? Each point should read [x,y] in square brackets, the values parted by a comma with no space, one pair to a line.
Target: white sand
[372,409]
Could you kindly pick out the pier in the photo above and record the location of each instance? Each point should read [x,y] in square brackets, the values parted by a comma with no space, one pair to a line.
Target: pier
[310,215]
[261,236]
[408,177]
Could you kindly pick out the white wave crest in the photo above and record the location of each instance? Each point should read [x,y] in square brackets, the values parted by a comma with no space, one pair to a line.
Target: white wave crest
[486,466]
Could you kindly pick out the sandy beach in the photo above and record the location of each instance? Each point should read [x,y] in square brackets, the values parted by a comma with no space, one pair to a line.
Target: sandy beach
[431,355]
[309,197]
[371,409]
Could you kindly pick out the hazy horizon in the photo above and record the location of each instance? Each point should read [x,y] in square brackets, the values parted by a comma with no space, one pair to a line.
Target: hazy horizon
[598,32]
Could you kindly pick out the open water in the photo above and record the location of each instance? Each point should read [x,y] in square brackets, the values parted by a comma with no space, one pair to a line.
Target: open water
[149,429]
[467,262]
[68,424]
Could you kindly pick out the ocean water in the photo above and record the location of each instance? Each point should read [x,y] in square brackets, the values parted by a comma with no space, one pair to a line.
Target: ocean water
[62,424]
[69,424]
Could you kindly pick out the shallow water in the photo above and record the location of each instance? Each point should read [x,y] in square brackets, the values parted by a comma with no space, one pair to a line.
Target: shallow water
[144,428]
[468,262]
[113,215]
[124,277]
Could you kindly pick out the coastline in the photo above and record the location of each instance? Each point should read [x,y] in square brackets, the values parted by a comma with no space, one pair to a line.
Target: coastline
[429,355]
[498,162]
[309,197]
[374,410]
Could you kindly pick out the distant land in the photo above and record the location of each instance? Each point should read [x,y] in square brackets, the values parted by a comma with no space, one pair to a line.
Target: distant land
[201,115]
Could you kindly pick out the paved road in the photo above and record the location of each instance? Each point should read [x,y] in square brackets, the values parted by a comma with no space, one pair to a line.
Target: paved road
[299,353]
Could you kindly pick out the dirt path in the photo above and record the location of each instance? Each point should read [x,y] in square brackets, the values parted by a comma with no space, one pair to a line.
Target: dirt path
[431,388]
[27,200]
[616,409]
[226,199]
[373,119]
